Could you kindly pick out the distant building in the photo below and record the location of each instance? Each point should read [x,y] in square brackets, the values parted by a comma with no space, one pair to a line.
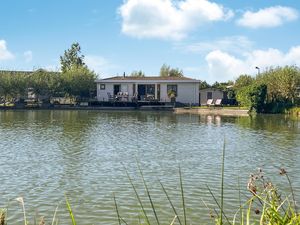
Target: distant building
[211,93]
[185,90]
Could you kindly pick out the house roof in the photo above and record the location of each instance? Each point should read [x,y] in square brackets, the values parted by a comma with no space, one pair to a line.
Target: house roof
[148,78]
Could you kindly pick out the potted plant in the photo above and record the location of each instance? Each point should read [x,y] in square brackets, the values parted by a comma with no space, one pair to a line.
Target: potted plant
[172,95]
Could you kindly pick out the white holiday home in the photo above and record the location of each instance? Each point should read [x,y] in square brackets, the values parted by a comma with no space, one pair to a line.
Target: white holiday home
[186,90]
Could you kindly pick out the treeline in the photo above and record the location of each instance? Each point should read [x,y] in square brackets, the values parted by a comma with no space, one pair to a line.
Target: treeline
[45,84]
[75,80]
[272,91]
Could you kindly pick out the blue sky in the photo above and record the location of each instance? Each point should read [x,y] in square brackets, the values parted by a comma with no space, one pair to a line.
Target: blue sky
[208,40]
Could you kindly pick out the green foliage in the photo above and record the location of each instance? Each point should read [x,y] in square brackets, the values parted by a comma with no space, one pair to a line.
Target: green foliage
[252,96]
[45,83]
[204,85]
[267,202]
[139,73]
[70,211]
[12,84]
[223,85]
[79,82]
[294,111]
[72,58]
[167,71]
[281,86]
[243,81]
[75,80]
[282,83]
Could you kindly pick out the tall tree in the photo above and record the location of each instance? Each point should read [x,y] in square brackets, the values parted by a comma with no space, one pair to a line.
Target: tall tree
[204,85]
[79,82]
[137,74]
[72,58]
[167,71]
[243,80]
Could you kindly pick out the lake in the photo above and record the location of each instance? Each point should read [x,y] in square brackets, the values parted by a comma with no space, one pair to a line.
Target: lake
[84,155]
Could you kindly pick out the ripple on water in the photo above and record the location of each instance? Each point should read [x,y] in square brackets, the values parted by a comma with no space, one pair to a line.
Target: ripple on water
[84,154]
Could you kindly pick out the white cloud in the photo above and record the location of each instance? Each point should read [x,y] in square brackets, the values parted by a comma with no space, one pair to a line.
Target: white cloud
[231,44]
[268,17]
[5,54]
[224,66]
[168,19]
[28,56]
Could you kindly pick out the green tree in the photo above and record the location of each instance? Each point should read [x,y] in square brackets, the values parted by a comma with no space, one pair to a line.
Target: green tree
[167,71]
[252,96]
[164,70]
[223,85]
[137,74]
[79,82]
[243,80]
[13,85]
[6,85]
[72,58]
[204,85]
[40,81]
[282,83]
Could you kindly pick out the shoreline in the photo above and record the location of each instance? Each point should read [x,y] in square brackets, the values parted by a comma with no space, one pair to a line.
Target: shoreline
[213,111]
[99,108]
[198,111]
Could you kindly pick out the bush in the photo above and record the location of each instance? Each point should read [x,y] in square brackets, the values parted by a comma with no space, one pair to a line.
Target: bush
[253,96]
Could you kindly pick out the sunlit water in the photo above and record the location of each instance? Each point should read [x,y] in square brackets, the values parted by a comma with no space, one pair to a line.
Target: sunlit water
[46,155]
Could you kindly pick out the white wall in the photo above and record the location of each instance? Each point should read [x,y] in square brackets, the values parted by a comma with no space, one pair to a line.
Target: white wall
[109,87]
[216,94]
[102,94]
[187,93]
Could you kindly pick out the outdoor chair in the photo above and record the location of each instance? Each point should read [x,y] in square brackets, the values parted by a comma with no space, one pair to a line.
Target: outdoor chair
[150,97]
[134,97]
[210,102]
[125,96]
[218,102]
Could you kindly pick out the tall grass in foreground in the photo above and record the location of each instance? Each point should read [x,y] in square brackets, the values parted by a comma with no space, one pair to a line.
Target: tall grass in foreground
[265,206]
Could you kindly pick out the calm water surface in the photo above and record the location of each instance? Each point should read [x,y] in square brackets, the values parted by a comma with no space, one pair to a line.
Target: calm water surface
[83,154]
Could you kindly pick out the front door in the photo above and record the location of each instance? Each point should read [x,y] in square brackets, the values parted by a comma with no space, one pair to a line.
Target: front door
[209,95]
[117,89]
[141,92]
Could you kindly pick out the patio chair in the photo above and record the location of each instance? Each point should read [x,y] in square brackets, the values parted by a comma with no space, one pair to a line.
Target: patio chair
[218,102]
[134,97]
[150,97]
[210,102]
[125,96]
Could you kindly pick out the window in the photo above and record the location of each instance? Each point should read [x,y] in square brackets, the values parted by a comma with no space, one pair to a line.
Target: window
[209,95]
[102,86]
[150,89]
[172,88]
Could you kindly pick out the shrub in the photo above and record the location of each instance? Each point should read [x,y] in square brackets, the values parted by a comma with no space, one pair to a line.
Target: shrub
[253,96]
